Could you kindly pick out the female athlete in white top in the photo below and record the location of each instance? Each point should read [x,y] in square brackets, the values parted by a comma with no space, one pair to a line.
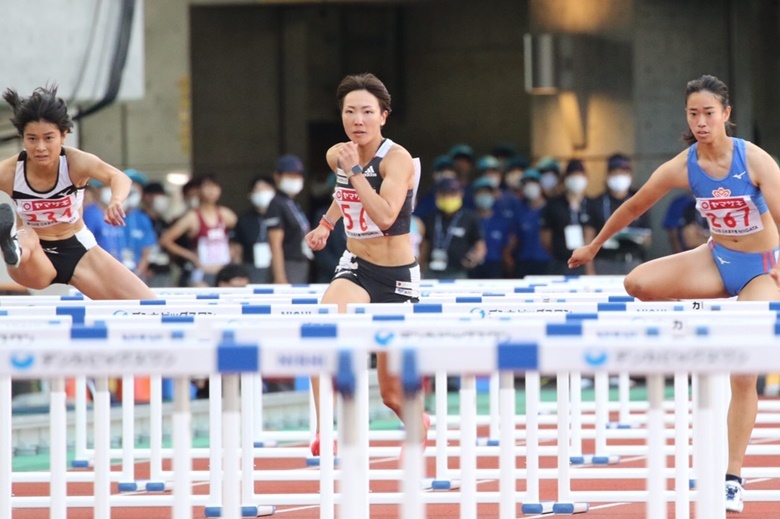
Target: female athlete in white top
[46,182]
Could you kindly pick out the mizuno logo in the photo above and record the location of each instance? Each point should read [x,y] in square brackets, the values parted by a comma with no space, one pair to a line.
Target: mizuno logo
[740,175]
[722,261]
[369,172]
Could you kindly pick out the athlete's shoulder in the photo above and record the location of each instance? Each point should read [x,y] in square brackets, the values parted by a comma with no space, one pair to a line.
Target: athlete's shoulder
[396,150]
[7,172]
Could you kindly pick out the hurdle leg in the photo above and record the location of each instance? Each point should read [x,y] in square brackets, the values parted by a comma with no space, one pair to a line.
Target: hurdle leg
[82,458]
[575,390]
[601,390]
[681,448]
[6,446]
[248,396]
[231,444]
[412,506]
[327,498]
[215,440]
[564,504]
[351,383]
[656,458]
[508,458]
[442,480]
[182,445]
[468,442]
[532,503]
[156,481]
[102,418]
[624,396]
[58,420]
[709,480]
[128,483]
[494,389]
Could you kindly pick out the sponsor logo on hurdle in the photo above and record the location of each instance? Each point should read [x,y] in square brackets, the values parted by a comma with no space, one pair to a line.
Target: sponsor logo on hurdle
[676,358]
[384,337]
[595,359]
[21,361]
[301,360]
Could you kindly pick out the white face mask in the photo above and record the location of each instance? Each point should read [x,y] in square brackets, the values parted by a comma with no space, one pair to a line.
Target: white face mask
[159,204]
[548,180]
[105,195]
[576,183]
[619,183]
[133,200]
[291,186]
[261,199]
[532,190]
[493,180]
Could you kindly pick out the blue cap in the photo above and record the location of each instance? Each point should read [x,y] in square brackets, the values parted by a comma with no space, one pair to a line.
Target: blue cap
[517,162]
[531,174]
[443,162]
[575,166]
[136,176]
[447,185]
[488,162]
[289,164]
[462,150]
[481,183]
[548,164]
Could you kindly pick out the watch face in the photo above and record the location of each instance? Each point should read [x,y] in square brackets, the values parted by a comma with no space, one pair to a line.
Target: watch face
[357,170]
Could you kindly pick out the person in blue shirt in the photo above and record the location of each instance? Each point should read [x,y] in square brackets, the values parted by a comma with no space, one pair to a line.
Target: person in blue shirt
[674,220]
[529,255]
[496,229]
[737,189]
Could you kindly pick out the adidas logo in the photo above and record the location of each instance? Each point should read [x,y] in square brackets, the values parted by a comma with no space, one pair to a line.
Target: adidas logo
[369,172]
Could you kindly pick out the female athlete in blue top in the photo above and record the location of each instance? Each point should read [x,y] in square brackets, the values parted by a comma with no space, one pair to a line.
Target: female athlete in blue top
[737,189]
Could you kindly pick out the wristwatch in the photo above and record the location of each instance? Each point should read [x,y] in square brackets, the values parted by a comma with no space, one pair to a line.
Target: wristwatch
[357,170]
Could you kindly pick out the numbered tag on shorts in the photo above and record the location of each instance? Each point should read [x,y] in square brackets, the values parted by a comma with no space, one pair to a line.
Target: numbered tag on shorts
[262,253]
[438,260]
[573,234]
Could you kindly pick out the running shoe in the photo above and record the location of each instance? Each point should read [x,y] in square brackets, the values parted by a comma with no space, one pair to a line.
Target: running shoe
[734,501]
[9,243]
[315,446]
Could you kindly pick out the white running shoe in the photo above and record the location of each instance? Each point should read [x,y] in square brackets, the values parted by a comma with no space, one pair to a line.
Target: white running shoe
[9,243]
[734,501]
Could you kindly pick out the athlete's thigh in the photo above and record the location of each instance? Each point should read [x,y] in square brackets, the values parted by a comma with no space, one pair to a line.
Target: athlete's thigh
[760,288]
[35,272]
[342,292]
[100,276]
[687,275]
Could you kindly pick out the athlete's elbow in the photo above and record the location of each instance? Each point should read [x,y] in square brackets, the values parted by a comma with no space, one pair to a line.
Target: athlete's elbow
[384,222]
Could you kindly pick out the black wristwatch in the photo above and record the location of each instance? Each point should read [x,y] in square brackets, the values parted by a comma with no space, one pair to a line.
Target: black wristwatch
[357,170]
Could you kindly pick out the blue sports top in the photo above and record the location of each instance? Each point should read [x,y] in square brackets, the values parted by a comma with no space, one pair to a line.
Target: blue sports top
[732,205]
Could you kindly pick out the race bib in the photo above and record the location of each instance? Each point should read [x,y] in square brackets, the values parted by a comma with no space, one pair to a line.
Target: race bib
[213,249]
[262,254]
[734,216]
[43,213]
[357,223]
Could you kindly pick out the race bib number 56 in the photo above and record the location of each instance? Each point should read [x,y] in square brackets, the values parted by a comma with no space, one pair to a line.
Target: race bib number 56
[734,216]
[357,223]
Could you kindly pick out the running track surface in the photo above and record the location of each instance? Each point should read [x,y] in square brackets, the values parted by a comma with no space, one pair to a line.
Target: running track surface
[753,510]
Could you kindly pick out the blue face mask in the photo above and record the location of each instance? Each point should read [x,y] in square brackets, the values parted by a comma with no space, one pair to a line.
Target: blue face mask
[484,201]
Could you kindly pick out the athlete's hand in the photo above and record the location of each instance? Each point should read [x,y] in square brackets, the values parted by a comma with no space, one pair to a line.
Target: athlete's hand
[317,238]
[348,157]
[115,214]
[582,256]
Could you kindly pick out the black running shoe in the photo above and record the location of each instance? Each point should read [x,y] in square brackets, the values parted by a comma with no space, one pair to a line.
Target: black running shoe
[9,243]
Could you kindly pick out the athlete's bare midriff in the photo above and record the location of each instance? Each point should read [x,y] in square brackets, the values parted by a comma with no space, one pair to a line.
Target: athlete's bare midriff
[387,251]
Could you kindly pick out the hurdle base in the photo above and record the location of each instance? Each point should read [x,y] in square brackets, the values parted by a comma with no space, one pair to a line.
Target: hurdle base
[440,485]
[314,461]
[82,464]
[487,442]
[126,487]
[259,444]
[619,425]
[570,508]
[246,511]
[592,459]
[543,507]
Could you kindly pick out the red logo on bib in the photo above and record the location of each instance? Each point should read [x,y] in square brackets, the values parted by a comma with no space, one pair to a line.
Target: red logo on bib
[721,193]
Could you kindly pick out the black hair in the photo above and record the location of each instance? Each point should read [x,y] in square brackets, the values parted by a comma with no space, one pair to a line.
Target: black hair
[210,178]
[154,188]
[368,82]
[42,105]
[231,271]
[261,178]
[716,87]
[193,183]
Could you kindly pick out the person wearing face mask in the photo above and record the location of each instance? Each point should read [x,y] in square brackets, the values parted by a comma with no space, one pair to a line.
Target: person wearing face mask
[549,179]
[530,257]
[287,225]
[207,227]
[443,166]
[627,248]
[496,229]
[564,218]
[132,243]
[155,204]
[251,231]
[453,243]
